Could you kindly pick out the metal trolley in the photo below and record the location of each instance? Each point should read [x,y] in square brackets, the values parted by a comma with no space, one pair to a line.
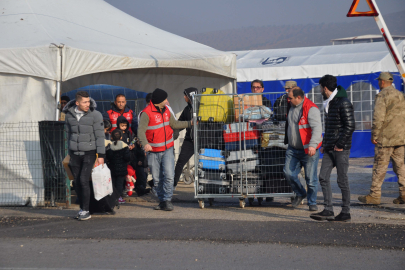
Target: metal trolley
[236,157]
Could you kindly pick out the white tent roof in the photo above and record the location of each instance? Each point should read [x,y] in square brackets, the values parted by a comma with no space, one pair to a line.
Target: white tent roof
[97,37]
[314,62]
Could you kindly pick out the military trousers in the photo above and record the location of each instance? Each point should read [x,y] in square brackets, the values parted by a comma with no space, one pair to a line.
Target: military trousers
[381,160]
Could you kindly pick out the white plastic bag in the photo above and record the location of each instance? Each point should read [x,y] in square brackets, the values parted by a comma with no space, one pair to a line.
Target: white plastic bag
[102,184]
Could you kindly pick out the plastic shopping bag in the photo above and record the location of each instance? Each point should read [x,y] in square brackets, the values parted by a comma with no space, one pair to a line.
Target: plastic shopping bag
[102,184]
[256,113]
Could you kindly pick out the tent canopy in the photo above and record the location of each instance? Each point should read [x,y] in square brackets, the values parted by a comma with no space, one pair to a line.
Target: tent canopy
[315,62]
[97,37]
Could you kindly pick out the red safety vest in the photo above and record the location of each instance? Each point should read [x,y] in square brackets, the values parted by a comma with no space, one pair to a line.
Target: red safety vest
[159,133]
[303,125]
[113,115]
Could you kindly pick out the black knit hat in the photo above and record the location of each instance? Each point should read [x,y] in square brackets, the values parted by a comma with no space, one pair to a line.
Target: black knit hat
[190,92]
[158,96]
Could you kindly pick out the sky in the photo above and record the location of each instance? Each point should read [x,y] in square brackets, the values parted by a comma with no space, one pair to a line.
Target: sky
[185,17]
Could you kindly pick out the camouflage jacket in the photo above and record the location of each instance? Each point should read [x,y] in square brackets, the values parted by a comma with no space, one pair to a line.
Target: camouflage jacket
[389,118]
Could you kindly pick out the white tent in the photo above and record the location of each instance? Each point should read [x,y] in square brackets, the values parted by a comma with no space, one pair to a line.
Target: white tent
[50,47]
[356,67]
[314,62]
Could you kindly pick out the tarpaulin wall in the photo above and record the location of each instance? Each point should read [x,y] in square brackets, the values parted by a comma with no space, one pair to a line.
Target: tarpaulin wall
[361,90]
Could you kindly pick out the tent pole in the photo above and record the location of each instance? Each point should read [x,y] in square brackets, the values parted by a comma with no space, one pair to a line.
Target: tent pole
[58,83]
[57,99]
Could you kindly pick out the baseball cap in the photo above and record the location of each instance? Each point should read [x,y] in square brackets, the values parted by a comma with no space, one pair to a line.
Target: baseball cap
[290,84]
[385,76]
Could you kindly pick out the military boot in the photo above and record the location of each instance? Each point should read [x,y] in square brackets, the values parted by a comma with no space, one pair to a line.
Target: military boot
[399,200]
[369,200]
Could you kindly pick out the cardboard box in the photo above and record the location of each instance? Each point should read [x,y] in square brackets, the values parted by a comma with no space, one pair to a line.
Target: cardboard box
[247,101]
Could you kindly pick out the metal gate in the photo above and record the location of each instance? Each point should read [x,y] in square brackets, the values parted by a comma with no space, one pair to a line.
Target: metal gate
[239,147]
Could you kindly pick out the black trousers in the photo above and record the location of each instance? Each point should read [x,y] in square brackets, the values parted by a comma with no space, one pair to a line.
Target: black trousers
[141,178]
[187,151]
[119,183]
[81,166]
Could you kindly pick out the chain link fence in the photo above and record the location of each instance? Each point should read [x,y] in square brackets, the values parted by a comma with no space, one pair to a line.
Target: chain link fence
[31,170]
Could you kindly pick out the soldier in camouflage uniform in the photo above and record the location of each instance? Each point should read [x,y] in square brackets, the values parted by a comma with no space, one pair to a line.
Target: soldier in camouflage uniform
[388,135]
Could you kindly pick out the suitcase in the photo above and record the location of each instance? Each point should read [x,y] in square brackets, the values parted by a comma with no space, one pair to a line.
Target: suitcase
[104,205]
[240,131]
[250,183]
[232,137]
[213,187]
[270,126]
[214,153]
[210,135]
[272,162]
[273,139]
[235,146]
[256,113]
[211,175]
[244,102]
[215,108]
[234,164]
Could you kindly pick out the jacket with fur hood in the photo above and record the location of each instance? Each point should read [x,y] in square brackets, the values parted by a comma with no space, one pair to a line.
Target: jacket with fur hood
[118,157]
[86,134]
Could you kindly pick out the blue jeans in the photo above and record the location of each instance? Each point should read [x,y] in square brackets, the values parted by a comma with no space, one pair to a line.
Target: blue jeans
[161,165]
[294,160]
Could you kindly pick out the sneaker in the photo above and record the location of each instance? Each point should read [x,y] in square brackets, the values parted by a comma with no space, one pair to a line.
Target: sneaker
[313,208]
[78,214]
[160,206]
[168,206]
[297,201]
[342,217]
[84,215]
[112,212]
[369,200]
[324,215]
[399,200]
[121,200]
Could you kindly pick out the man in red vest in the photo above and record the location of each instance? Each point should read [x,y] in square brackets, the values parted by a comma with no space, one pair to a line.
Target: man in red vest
[120,108]
[304,138]
[155,132]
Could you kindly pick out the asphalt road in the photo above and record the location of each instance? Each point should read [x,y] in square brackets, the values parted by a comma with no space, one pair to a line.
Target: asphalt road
[128,243]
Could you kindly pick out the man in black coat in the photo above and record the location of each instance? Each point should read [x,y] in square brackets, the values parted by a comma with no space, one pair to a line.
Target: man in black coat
[187,148]
[337,141]
[280,107]
[257,87]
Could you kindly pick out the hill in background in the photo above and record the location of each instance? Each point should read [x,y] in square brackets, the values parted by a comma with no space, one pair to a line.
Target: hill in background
[291,36]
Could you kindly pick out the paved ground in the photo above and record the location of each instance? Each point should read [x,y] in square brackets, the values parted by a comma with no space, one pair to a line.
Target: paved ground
[219,236]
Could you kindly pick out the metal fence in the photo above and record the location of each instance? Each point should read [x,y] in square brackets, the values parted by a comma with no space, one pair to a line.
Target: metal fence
[31,170]
[239,152]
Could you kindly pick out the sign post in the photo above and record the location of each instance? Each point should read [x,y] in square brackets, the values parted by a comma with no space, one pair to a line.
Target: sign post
[375,12]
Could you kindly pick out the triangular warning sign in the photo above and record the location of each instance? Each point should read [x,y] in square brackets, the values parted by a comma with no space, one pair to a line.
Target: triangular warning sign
[353,13]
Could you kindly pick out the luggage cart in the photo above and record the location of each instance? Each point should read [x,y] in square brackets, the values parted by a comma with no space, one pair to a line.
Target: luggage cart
[232,159]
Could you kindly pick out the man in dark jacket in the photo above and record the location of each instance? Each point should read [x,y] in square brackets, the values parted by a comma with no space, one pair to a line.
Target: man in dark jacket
[337,141]
[257,87]
[187,148]
[281,105]
[86,139]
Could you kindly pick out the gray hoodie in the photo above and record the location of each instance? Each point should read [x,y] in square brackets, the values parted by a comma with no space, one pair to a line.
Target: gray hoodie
[87,133]
[314,120]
